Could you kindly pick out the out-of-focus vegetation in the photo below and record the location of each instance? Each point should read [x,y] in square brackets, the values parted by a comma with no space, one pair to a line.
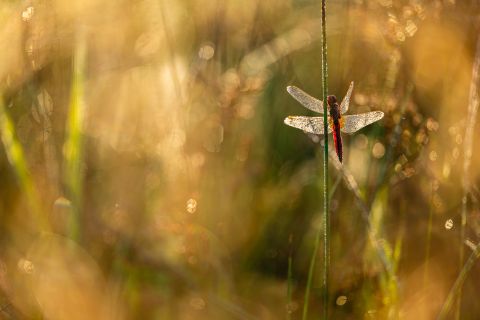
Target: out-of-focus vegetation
[146,172]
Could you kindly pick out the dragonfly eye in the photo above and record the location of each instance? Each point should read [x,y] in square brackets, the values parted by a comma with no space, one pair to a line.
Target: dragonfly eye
[331,100]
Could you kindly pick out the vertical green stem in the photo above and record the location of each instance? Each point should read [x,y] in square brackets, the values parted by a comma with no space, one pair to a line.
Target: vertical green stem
[16,158]
[310,274]
[326,214]
[73,147]
[290,279]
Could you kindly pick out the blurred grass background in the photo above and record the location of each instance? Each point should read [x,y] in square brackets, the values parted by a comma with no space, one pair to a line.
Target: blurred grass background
[147,174]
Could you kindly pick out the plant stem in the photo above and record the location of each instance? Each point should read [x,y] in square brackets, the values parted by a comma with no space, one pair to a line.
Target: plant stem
[73,147]
[326,214]
[457,286]
[429,238]
[17,159]
[290,279]
[310,274]
[473,103]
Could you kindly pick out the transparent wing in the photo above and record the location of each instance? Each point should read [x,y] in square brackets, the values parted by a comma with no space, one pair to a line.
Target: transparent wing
[346,100]
[305,99]
[353,123]
[307,124]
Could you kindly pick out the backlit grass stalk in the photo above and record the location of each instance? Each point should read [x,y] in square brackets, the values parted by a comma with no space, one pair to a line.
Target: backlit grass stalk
[429,238]
[73,147]
[352,185]
[457,286]
[290,279]
[16,158]
[473,103]
[326,214]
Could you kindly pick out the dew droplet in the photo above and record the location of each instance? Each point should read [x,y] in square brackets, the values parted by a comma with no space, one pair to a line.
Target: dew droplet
[206,52]
[147,44]
[458,139]
[341,300]
[213,137]
[411,28]
[26,266]
[378,150]
[452,130]
[400,36]
[455,153]
[198,159]
[245,111]
[432,125]
[191,205]
[178,138]
[197,303]
[446,170]
[361,141]
[386,3]
[27,14]
[292,307]
[449,224]
[62,202]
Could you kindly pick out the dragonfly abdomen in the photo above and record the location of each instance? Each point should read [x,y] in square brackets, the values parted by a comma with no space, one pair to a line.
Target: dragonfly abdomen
[336,117]
[337,139]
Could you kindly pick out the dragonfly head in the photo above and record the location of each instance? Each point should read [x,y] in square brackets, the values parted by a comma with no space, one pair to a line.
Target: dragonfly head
[331,100]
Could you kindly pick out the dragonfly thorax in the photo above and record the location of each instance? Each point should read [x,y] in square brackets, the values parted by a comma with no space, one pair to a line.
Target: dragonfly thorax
[333,107]
[331,100]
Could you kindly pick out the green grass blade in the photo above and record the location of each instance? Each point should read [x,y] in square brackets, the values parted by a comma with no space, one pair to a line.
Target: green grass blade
[16,158]
[73,147]
[326,214]
[290,280]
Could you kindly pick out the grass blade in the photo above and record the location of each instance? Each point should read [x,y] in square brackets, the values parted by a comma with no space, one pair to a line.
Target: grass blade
[290,279]
[16,158]
[468,150]
[457,286]
[73,147]
[326,214]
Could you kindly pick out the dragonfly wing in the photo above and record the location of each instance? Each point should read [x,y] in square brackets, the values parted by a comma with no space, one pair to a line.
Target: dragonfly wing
[305,99]
[307,124]
[346,100]
[353,123]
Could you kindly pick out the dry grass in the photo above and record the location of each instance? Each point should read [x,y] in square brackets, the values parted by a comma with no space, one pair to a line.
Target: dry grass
[164,156]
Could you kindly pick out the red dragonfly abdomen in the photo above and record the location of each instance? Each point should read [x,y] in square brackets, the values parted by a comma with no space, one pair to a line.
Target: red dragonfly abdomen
[336,124]
[337,139]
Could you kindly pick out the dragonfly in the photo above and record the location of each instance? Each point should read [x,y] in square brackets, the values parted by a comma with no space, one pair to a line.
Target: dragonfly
[337,122]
